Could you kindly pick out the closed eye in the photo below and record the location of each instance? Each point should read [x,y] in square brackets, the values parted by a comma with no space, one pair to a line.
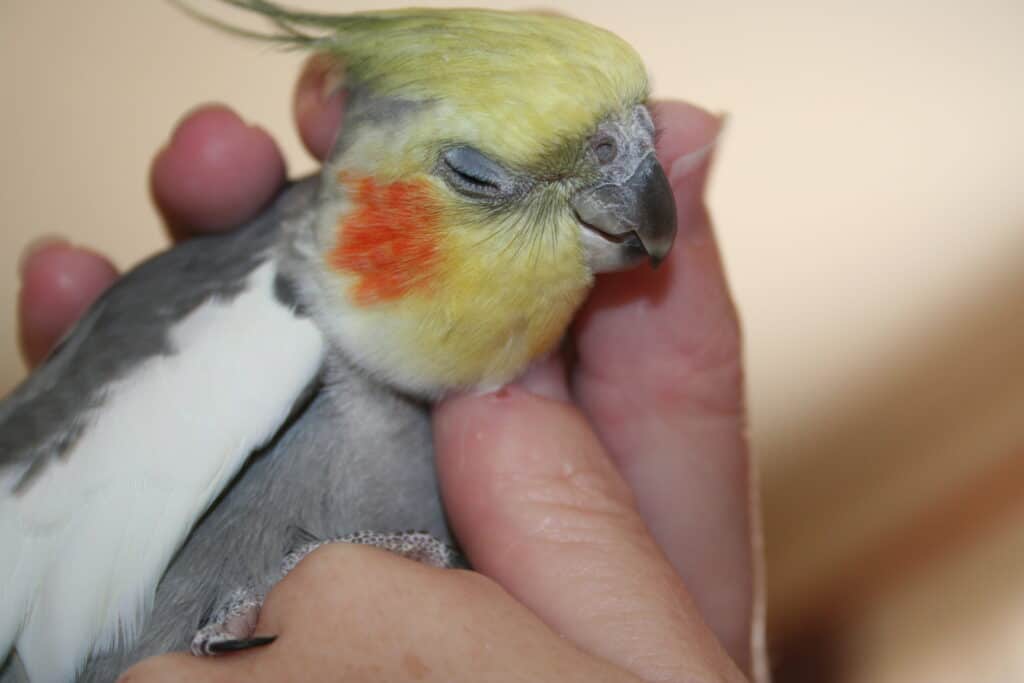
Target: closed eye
[471,173]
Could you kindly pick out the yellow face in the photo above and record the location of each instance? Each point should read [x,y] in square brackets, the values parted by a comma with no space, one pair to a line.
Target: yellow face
[452,253]
[446,281]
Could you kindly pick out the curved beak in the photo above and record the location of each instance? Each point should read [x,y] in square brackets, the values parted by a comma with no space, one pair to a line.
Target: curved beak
[624,222]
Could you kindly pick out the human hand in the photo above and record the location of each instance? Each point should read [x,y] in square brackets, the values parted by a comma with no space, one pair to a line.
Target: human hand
[527,475]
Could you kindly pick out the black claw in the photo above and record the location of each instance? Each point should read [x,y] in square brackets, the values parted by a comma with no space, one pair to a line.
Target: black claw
[226,646]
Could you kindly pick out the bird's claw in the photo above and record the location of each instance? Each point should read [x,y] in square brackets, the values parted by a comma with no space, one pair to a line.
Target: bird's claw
[229,628]
[223,647]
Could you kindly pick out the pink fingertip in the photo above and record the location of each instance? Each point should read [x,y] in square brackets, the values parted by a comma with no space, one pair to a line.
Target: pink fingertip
[59,282]
[546,378]
[39,244]
[684,129]
[215,173]
[318,104]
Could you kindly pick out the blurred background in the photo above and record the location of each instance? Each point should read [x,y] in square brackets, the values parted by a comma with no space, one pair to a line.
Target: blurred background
[869,196]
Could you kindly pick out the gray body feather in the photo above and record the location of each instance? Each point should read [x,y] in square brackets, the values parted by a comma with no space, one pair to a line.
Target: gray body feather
[358,457]
[355,455]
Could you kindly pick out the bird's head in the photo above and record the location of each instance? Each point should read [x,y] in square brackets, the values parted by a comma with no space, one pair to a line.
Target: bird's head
[490,164]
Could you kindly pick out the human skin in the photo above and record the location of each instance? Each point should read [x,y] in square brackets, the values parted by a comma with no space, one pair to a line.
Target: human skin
[604,502]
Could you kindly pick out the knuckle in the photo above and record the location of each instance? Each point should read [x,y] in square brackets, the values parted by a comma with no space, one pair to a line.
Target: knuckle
[584,489]
[711,386]
[581,505]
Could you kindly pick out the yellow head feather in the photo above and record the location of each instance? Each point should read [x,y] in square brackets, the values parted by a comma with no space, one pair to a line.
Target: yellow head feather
[536,82]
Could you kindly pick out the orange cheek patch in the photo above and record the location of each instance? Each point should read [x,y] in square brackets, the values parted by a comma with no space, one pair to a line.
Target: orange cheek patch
[389,241]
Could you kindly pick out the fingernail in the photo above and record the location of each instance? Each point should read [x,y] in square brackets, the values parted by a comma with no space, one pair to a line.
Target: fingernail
[332,82]
[689,162]
[322,80]
[688,177]
[36,246]
[307,99]
[546,378]
[326,74]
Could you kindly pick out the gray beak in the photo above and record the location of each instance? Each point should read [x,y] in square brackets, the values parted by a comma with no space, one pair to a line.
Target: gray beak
[627,221]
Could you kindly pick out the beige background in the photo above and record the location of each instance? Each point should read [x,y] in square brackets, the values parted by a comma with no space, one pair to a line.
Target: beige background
[870,206]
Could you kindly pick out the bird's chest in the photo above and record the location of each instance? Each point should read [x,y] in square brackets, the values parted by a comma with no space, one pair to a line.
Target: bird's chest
[489,335]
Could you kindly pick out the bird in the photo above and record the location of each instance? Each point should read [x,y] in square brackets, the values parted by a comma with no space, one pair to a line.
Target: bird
[239,399]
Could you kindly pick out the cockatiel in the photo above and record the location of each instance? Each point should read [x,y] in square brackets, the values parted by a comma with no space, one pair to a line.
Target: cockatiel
[154,471]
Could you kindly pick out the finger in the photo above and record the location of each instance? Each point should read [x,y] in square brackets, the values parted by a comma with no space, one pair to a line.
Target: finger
[659,375]
[547,378]
[317,105]
[58,283]
[538,507]
[215,173]
[359,614]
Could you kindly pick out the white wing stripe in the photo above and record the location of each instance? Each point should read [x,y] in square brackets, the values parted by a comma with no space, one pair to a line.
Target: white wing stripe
[95,531]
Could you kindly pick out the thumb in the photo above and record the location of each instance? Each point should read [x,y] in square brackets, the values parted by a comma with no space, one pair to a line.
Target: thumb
[538,507]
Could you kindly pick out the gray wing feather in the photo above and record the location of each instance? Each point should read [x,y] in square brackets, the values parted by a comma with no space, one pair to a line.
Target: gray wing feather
[46,413]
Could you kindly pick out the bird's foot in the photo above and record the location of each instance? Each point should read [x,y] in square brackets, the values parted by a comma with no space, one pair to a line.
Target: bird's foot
[230,626]
[414,545]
